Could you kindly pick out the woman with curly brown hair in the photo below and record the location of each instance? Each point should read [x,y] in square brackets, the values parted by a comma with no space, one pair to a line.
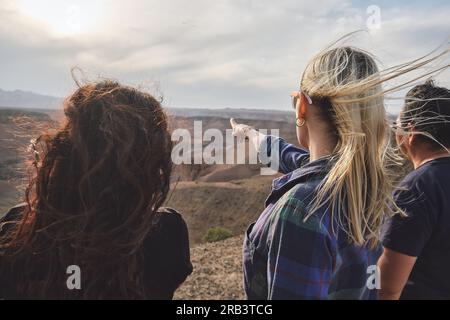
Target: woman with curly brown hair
[95,203]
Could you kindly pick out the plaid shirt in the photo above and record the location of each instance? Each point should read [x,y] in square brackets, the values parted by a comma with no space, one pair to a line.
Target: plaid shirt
[286,257]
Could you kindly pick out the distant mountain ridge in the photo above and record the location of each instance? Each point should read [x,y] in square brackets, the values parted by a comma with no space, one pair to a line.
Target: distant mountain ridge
[27,99]
[30,100]
[240,114]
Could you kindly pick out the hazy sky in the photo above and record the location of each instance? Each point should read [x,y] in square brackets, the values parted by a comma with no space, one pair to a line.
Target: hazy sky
[203,53]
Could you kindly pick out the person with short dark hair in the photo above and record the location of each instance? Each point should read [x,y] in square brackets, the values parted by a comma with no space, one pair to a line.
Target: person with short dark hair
[416,258]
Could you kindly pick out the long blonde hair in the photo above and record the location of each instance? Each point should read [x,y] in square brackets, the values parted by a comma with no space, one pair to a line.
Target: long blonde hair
[358,183]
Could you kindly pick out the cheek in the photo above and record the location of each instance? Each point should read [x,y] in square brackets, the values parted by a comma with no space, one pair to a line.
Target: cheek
[402,144]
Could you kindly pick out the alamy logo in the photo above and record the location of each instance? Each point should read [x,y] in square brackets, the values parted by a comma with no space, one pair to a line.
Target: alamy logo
[374,279]
[214,146]
[374,17]
[74,278]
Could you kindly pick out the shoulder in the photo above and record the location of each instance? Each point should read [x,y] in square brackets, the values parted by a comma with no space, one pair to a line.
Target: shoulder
[294,208]
[169,233]
[414,177]
[427,174]
[421,185]
[169,218]
[166,254]
[168,226]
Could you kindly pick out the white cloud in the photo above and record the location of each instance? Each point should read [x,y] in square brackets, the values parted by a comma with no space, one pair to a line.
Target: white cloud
[204,53]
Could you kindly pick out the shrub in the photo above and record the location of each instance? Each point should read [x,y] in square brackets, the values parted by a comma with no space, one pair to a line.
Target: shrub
[217,234]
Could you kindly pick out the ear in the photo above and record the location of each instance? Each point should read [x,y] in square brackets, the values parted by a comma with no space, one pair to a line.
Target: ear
[301,112]
[411,138]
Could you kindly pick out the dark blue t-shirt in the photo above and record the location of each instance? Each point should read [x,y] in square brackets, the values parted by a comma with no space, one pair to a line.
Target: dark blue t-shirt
[425,233]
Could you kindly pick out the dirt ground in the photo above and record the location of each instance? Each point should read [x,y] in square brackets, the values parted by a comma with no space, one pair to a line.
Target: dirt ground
[217,272]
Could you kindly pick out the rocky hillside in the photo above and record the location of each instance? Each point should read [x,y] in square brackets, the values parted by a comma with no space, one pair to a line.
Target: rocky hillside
[17,128]
[232,205]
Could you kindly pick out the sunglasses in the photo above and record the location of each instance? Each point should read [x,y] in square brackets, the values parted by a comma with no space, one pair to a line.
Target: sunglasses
[395,125]
[296,96]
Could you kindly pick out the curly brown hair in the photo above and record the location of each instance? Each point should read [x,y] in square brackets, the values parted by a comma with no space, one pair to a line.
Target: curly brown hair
[92,201]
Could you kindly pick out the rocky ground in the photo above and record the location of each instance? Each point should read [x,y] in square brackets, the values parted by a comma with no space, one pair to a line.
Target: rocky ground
[217,272]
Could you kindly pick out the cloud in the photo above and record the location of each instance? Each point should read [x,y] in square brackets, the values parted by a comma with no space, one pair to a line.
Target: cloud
[247,53]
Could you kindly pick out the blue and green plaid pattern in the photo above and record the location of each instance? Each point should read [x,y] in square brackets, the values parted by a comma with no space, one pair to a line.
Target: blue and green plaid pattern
[288,257]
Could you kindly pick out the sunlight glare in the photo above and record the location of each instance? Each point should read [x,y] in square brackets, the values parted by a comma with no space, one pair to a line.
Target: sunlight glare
[64,18]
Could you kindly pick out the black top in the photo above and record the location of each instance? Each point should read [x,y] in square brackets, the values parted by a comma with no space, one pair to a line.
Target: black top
[425,232]
[166,256]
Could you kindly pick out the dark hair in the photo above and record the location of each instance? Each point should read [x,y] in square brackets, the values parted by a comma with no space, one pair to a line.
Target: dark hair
[101,179]
[427,109]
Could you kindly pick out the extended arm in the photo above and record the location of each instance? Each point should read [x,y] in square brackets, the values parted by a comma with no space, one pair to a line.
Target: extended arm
[290,157]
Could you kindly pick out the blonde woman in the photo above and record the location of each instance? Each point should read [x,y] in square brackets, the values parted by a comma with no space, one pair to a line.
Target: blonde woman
[319,235]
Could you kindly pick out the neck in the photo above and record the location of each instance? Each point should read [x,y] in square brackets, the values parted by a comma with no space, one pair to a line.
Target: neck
[319,148]
[421,158]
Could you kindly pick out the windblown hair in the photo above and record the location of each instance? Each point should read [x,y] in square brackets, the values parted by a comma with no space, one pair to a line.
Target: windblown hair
[99,181]
[346,86]
[427,114]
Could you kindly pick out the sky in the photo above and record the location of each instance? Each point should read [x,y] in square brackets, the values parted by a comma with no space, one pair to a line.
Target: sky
[204,53]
